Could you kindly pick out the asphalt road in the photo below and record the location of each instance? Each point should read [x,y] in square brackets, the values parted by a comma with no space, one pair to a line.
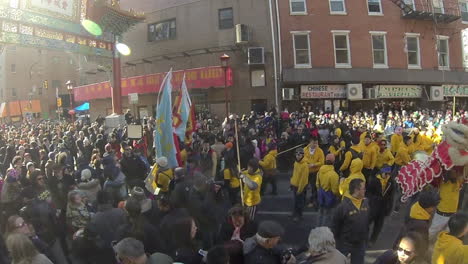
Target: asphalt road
[279,208]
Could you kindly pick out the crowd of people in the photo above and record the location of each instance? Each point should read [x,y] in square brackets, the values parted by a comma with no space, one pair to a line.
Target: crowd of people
[83,193]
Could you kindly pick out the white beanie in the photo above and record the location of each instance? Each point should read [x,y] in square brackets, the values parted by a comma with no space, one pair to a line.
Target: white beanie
[85,175]
[161,161]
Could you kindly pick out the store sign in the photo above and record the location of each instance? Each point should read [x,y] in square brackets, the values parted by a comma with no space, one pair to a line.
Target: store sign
[67,9]
[323,91]
[398,91]
[455,90]
[206,77]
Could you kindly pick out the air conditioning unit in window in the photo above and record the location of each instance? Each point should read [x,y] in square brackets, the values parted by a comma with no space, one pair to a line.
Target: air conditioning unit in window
[354,91]
[371,93]
[242,34]
[288,94]
[256,56]
[437,93]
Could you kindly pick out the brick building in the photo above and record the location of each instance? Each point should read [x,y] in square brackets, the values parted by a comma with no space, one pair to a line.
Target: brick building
[389,50]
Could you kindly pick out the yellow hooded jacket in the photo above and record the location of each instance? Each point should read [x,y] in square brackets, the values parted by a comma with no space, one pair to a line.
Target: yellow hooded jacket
[338,133]
[356,173]
[233,180]
[449,196]
[269,161]
[328,179]
[369,157]
[426,144]
[300,177]
[396,141]
[162,178]
[252,197]
[318,158]
[419,213]
[385,157]
[403,156]
[449,250]
[349,157]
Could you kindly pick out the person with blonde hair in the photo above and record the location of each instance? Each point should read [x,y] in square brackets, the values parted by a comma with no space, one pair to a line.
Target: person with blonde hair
[322,248]
[23,251]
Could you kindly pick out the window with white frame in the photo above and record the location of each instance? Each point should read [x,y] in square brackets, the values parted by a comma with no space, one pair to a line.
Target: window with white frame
[298,7]
[412,49]
[438,6]
[342,51]
[337,7]
[410,3]
[379,49]
[301,49]
[374,7]
[443,52]
[464,11]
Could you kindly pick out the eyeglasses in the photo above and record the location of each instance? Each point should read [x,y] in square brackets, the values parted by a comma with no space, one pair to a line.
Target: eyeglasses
[406,252]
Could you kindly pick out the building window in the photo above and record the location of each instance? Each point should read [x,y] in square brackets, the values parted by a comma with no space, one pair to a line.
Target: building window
[443,52]
[257,78]
[13,92]
[342,51]
[301,46]
[164,30]
[226,18]
[379,49]
[337,7]
[298,7]
[39,90]
[13,68]
[374,7]
[410,3]
[412,49]
[464,11]
[438,6]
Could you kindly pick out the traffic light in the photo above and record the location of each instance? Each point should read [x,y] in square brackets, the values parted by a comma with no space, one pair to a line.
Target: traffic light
[46,85]
[59,102]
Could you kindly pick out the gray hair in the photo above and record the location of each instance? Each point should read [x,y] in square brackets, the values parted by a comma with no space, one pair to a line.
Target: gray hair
[321,240]
[129,247]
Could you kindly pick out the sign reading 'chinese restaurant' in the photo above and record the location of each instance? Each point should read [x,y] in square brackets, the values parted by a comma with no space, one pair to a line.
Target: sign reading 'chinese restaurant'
[399,91]
[455,90]
[323,91]
[195,78]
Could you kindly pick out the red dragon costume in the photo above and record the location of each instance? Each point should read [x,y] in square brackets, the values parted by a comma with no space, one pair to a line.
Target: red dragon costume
[450,154]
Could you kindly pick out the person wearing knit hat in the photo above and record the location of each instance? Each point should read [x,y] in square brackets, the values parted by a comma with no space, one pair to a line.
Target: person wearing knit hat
[298,182]
[162,176]
[257,249]
[228,145]
[327,184]
[268,164]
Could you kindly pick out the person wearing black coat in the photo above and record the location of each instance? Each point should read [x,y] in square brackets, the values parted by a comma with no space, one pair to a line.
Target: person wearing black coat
[379,192]
[103,225]
[139,228]
[133,168]
[234,231]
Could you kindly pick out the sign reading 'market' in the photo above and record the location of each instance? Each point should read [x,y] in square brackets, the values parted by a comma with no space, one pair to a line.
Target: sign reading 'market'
[398,91]
[455,90]
[323,91]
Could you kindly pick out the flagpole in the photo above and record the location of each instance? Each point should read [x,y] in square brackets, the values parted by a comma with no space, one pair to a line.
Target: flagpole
[238,161]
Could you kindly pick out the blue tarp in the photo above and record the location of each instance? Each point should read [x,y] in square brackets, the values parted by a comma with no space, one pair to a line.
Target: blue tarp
[83,107]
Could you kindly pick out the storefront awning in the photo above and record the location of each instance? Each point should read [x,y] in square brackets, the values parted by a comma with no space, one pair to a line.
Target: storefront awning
[17,108]
[195,78]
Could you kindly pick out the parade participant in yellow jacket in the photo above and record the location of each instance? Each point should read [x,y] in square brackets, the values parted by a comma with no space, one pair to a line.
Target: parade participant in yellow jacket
[338,133]
[314,156]
[427,144]
[299,181]
[162,176]
[268,164]
[327,188]
[356,173]
[403,156]
[449,248]
[449,191]
[252,180]
[384,156]
[337,149]
[354,152]
[396,140]
[416,137]
[369,157]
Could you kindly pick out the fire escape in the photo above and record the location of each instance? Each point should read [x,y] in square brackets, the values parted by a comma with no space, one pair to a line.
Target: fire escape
[434,10]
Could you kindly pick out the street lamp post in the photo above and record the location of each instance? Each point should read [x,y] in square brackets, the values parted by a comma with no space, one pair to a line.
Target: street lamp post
[70,92]
[225,64]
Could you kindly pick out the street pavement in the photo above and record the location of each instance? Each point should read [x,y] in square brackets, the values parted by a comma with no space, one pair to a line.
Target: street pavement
[279,208]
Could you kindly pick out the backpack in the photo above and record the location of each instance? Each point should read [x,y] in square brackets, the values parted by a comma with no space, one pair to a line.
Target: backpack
[326,199]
